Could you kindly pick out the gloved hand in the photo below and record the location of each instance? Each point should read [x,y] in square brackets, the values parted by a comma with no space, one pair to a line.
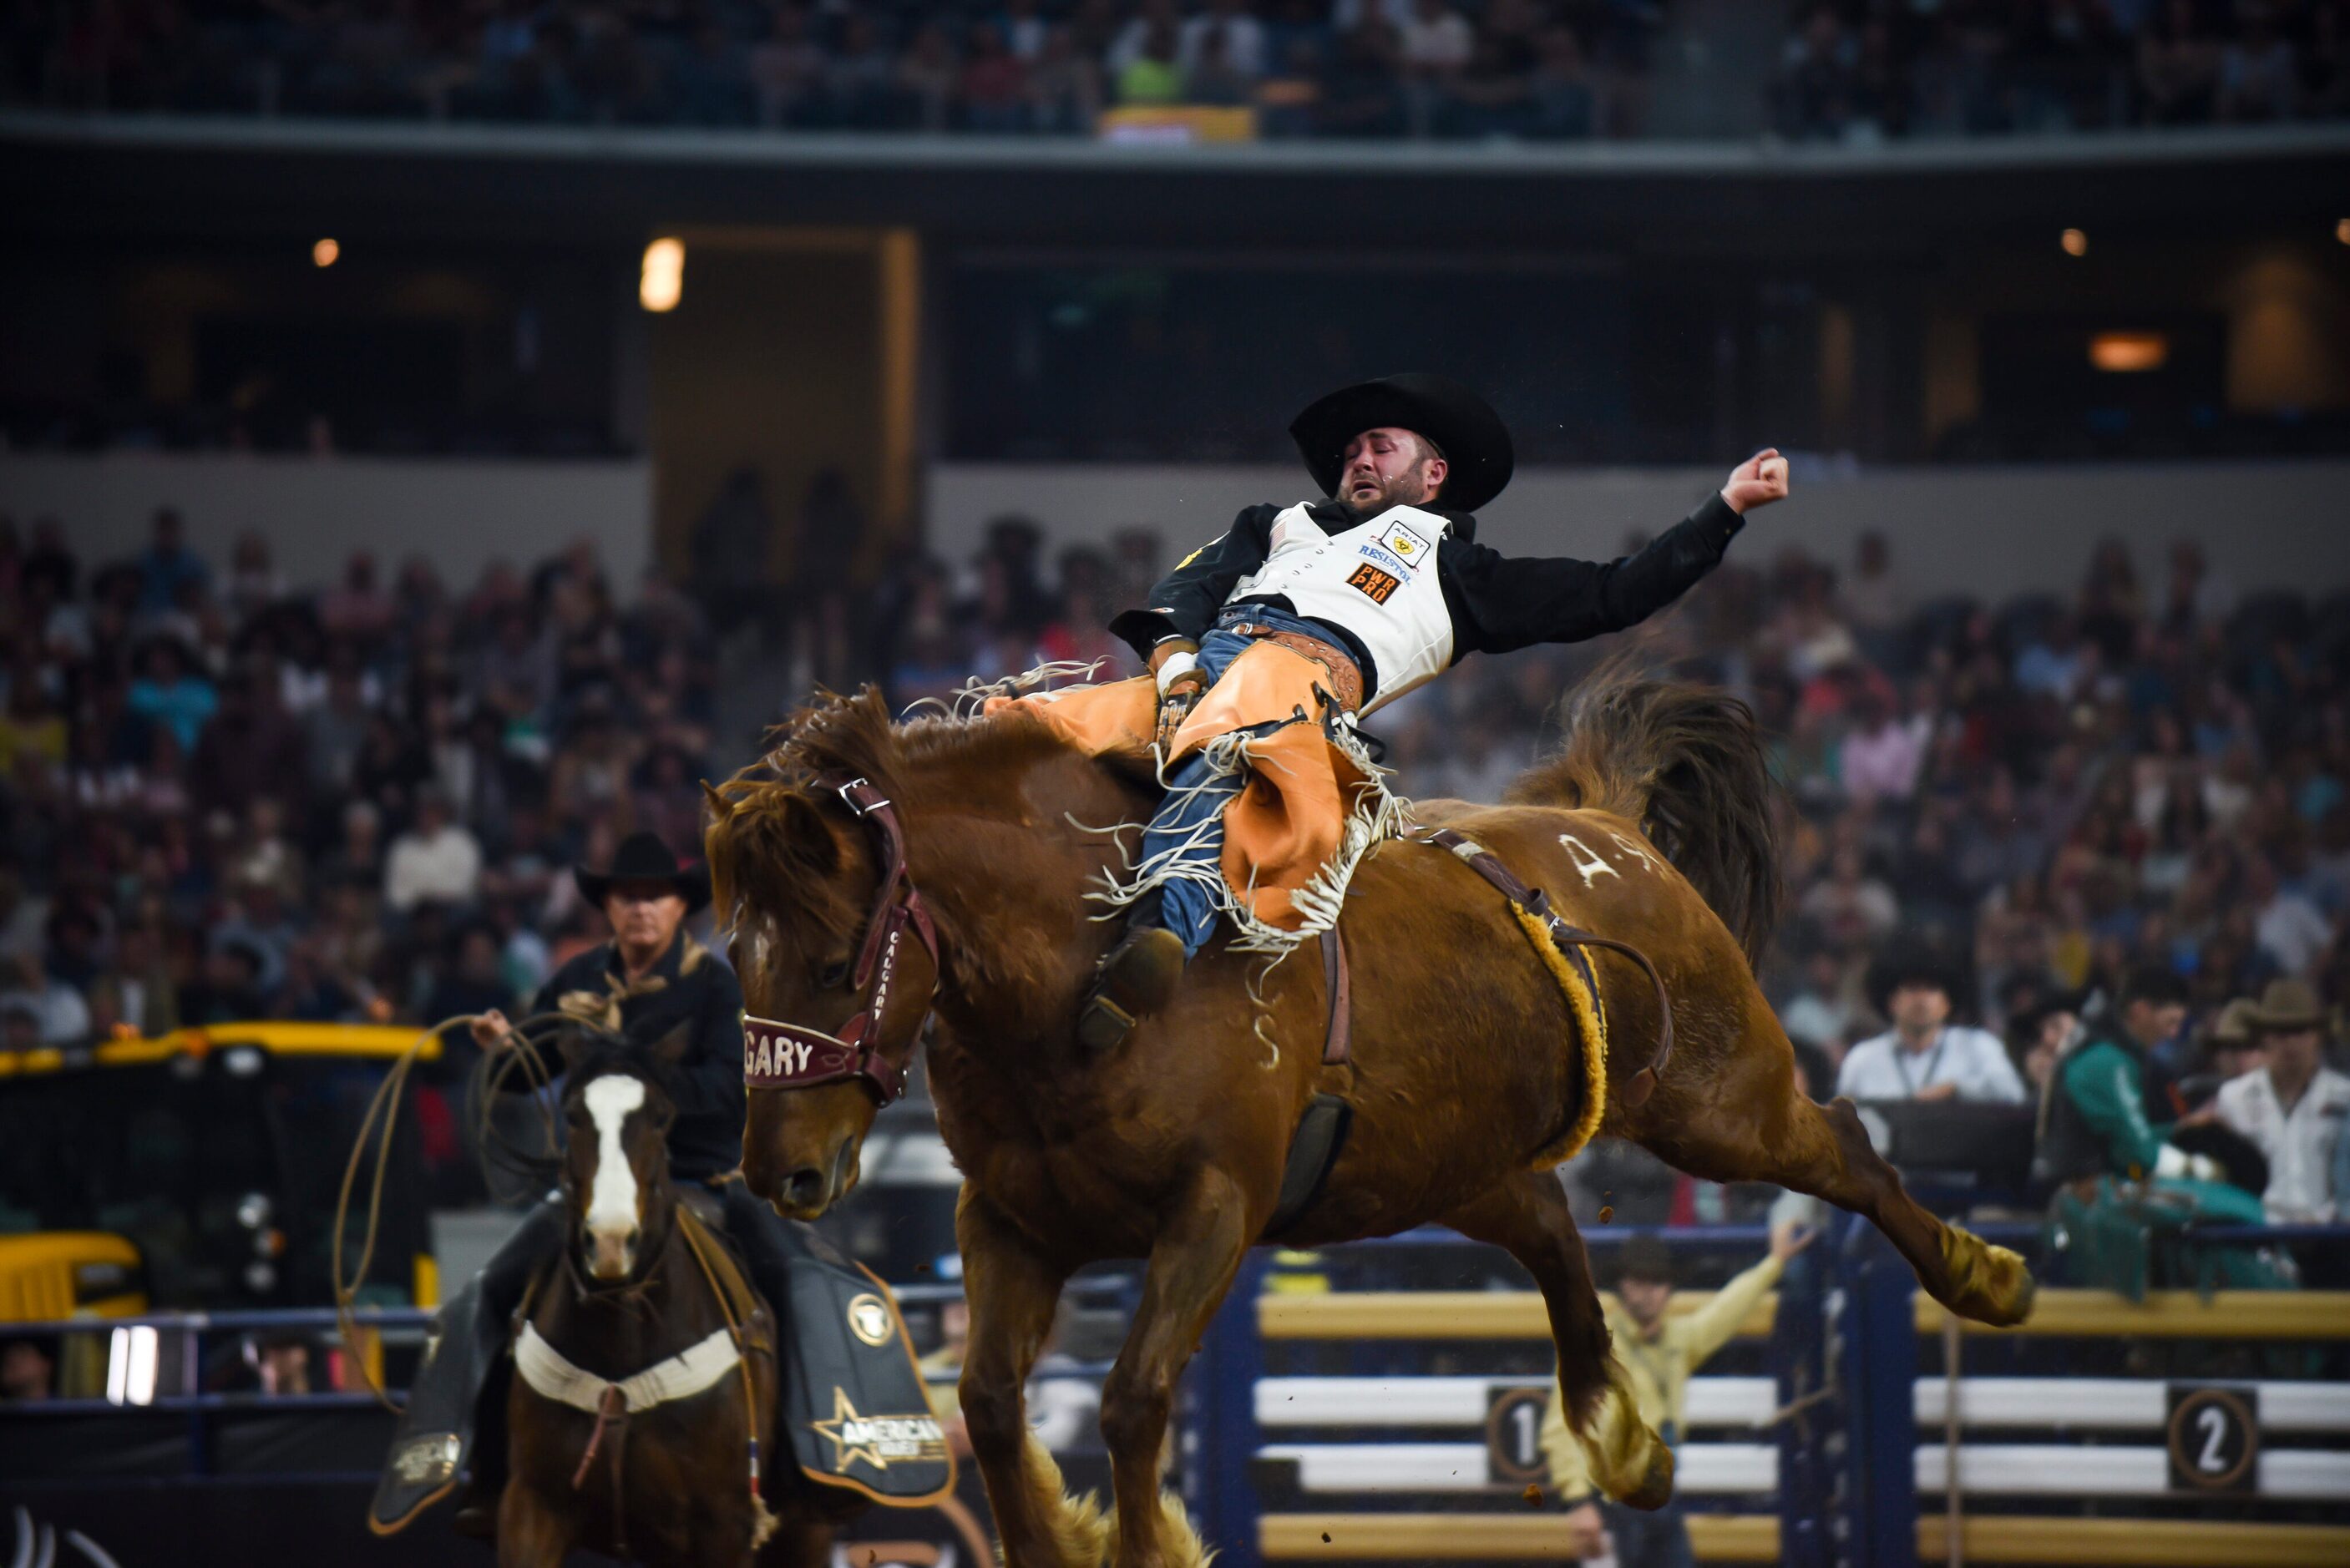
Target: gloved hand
[1178,695]
[2176,1163]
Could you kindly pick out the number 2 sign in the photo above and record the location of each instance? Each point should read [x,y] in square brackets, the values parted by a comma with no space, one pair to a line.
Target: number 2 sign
[2215,1438]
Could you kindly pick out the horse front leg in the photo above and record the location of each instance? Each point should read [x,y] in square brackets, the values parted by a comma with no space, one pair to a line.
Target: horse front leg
[1013,1291]
[1192,1267]
[533,1532]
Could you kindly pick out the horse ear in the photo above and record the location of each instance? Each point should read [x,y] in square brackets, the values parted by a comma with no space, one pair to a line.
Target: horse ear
[810,835]
[570,1045]
[720,808]
[670,1049]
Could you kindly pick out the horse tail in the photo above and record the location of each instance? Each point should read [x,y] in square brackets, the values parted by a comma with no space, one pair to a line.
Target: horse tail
[1688,763]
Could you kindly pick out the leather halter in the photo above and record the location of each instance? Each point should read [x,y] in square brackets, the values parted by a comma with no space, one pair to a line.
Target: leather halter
[796,1057]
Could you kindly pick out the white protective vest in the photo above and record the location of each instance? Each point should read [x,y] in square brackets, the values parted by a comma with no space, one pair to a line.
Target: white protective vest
[1378,579]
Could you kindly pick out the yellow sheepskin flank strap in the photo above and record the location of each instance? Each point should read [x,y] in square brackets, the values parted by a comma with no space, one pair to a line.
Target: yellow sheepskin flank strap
[1591,1022]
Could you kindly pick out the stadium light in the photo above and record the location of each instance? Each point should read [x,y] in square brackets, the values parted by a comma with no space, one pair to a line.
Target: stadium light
[2075,242]
[662,281]
[2125,353]
[326,252]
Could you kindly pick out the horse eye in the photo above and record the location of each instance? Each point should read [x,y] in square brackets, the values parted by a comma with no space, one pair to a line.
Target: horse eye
[836,974]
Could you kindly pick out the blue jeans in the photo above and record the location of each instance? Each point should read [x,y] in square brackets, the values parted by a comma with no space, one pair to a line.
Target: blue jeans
[1658,1540]
[1189,829]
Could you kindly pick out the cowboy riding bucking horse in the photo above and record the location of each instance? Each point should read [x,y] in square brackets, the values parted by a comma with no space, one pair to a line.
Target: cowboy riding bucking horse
[1325,611]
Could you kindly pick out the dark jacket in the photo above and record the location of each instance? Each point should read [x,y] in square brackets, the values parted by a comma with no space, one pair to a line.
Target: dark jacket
[687,988]
[1497,602]
[2095,1122]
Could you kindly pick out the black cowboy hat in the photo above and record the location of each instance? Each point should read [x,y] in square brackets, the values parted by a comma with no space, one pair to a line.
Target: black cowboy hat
[1475,440]
[1915,966]
[2242,1163]
[643,858]
[1646,1258]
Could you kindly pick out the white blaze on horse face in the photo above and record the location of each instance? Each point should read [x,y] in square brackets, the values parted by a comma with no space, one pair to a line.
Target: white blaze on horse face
[612,1202]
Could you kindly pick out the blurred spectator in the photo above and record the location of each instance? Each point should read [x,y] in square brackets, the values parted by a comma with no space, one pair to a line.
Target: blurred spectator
[1152,73]
[2039,1036]
[1925,1057]
[437,859]
[2293,1107]
[58,1013]
[134,992]
[170,692]
[2098,1124]
[1226,32]
[1662,1350]
[280,1363]
[28,1371]
[1500,68]
[167,570]
[2259,78]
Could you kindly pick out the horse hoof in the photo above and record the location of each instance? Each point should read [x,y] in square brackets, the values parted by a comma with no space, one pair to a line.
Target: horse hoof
[2011,1296]
[1990,1284]
[1656,1488]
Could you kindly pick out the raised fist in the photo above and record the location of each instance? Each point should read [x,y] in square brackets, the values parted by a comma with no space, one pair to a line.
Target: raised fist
[1758,481]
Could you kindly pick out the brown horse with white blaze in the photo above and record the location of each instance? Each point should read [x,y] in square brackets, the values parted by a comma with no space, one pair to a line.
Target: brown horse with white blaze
[645,1370]
[1468,1078]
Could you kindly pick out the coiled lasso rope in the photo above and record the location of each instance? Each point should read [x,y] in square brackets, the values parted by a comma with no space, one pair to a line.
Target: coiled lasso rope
[520,1053]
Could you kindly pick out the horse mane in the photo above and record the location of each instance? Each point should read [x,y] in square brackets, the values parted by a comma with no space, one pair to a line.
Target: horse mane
[768,847]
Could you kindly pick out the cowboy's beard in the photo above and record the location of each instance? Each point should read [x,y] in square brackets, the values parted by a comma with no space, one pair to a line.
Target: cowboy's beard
[1408,488]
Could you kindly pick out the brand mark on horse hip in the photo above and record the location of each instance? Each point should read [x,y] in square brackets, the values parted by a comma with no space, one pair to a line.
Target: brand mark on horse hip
[1586,859]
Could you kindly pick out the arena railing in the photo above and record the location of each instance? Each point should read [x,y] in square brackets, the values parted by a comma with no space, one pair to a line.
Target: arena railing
[160,1363]
[1842,1439]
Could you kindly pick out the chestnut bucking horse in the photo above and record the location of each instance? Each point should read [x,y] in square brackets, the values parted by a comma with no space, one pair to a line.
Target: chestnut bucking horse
[876,872]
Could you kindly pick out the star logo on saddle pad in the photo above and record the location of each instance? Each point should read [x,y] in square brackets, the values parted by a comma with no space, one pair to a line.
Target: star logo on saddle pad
[880,1440]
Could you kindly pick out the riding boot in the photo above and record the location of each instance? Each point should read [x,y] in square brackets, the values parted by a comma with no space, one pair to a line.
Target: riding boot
[758,1235]
[840,1349]
[1136,978]
[462,1371]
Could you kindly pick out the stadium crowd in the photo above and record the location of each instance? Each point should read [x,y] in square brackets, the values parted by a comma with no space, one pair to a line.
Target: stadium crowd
[227,795]
[1462,68]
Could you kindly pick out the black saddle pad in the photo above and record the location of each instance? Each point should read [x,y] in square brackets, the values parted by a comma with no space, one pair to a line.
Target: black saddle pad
[854,1403]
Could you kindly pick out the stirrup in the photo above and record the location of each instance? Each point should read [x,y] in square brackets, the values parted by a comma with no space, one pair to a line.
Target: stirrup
[1102,1023]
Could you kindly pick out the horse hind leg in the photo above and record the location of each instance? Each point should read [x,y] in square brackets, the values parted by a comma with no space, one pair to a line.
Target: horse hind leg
[1749,1120]
[1527,1217]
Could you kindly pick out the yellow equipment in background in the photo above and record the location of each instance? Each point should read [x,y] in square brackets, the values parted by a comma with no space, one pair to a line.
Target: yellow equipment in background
[196,1170]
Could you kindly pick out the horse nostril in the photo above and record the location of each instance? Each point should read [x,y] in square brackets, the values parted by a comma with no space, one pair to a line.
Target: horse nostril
[804,1188]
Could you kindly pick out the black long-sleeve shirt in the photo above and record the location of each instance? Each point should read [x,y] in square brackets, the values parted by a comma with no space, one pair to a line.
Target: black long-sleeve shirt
[1497,602]
[687,988]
